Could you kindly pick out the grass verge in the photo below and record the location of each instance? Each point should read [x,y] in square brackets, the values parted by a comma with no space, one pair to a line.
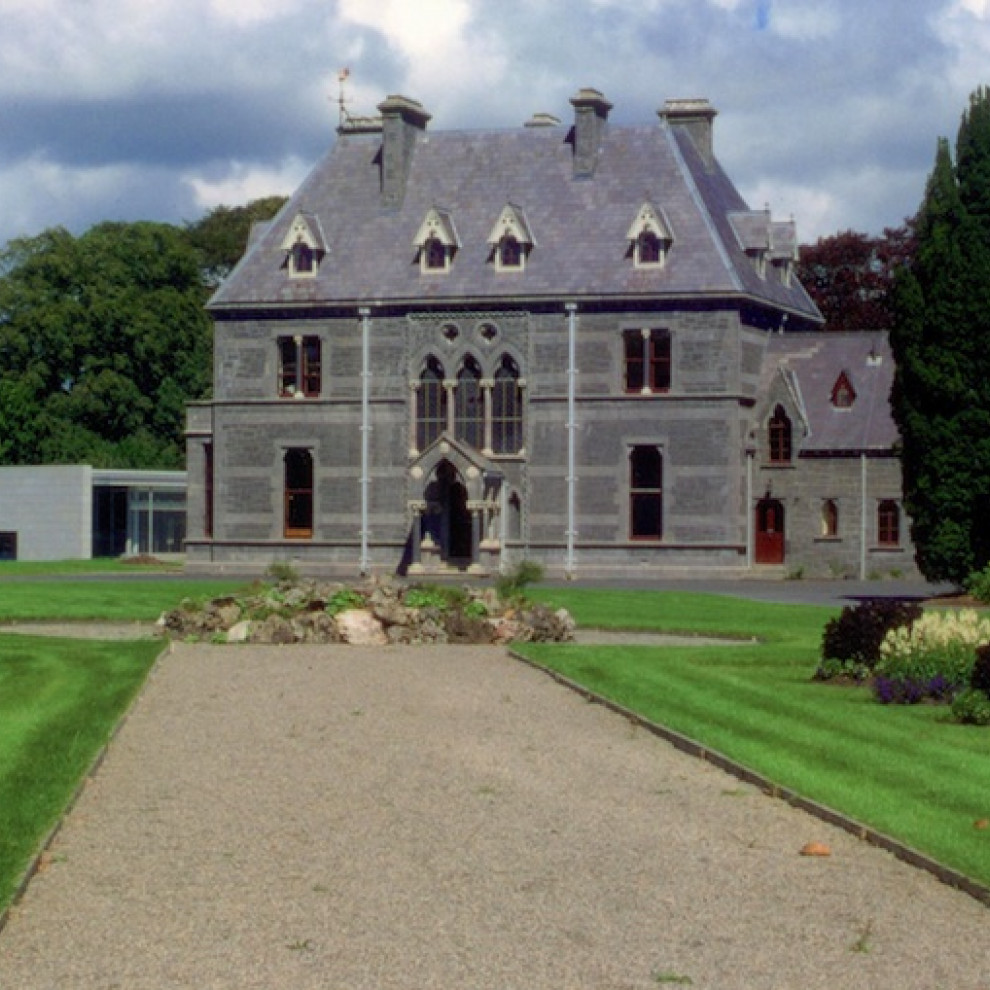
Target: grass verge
[101,601]
[60,701]
[96,565]
[904,770]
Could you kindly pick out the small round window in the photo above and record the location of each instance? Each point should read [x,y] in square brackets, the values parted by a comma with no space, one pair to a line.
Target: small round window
[488,332]
[450,332]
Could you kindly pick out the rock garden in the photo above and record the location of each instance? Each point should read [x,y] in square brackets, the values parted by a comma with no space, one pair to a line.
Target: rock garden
[376,612]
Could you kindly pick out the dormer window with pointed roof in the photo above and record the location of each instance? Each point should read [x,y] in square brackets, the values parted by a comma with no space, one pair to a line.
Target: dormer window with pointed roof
[511,240]
[649,237]
[843,393]
[436,241]
[784,248]
[752,230]
[304,246]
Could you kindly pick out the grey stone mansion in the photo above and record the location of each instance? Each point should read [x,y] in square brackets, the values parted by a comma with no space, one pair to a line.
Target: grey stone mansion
[568,342]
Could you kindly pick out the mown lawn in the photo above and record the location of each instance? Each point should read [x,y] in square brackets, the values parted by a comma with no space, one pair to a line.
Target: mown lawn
[97,565]
[60,701]
[906,770]
[90,599]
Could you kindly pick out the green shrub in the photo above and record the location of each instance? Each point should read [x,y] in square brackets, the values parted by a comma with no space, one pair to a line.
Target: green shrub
[515,582]
[475,609]
[858,632]
[980,677]
[346,598]
[833,669]
[978,585]
[426,596]
[972,707]
[282,571]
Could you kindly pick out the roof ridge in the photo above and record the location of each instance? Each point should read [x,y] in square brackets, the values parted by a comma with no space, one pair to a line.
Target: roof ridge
[702,206]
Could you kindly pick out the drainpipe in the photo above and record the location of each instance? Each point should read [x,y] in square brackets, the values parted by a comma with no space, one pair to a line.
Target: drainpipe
[571,309]
[749,509]
[862,517]
[365,315]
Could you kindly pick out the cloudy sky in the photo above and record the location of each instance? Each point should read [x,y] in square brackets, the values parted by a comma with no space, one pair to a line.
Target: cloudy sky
[829,110]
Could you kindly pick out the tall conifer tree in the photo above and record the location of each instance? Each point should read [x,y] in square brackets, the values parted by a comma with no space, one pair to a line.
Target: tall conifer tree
[941,343]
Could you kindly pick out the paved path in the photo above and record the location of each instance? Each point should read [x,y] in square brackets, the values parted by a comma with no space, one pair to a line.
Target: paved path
[306,818]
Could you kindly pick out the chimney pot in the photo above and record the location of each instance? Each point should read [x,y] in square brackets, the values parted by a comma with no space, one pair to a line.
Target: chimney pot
[590,115]
[403,120]
[697,115]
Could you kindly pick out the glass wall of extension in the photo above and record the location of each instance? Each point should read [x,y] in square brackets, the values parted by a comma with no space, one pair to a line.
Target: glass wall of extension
[74,511]
[138,512]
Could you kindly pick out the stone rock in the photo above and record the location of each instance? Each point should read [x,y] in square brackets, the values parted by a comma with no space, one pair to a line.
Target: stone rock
[240,632]
[274,630]
[359,627]
[505,630]
[815,849]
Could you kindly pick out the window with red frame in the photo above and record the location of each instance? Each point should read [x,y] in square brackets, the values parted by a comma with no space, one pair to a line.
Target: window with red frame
[298,494]
[780,437]
[647,360]
[645,493]
[888,523]
[299,366]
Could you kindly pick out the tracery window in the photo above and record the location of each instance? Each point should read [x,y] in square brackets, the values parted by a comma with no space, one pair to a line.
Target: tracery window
[469,411]
[431,404]
[507,414]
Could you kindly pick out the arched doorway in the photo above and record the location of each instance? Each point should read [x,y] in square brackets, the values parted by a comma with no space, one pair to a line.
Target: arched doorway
[769,531]
[447,522]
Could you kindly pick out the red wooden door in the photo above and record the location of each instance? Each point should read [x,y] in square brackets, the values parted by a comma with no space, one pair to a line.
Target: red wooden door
[769,531]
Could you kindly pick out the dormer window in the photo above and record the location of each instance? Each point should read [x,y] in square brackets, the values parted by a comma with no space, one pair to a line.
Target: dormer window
[302,259]
[843,393]
[511,240]
[783,248]
[436,241]
[648,249]
[510,254]
[304,246]
[649,237]
[435,256]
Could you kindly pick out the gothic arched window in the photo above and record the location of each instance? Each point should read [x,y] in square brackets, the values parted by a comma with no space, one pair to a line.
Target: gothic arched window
[507,411]
[468,404]
[431,404]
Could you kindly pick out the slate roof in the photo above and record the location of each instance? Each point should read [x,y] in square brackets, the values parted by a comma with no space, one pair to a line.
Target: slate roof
[579,225]
[814,361]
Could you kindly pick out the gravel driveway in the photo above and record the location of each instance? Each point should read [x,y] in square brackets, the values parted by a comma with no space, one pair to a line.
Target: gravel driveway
[341,818]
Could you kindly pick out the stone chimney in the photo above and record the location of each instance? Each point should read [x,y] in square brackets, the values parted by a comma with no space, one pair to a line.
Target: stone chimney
[590,114]
[697,116]
[402,122]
